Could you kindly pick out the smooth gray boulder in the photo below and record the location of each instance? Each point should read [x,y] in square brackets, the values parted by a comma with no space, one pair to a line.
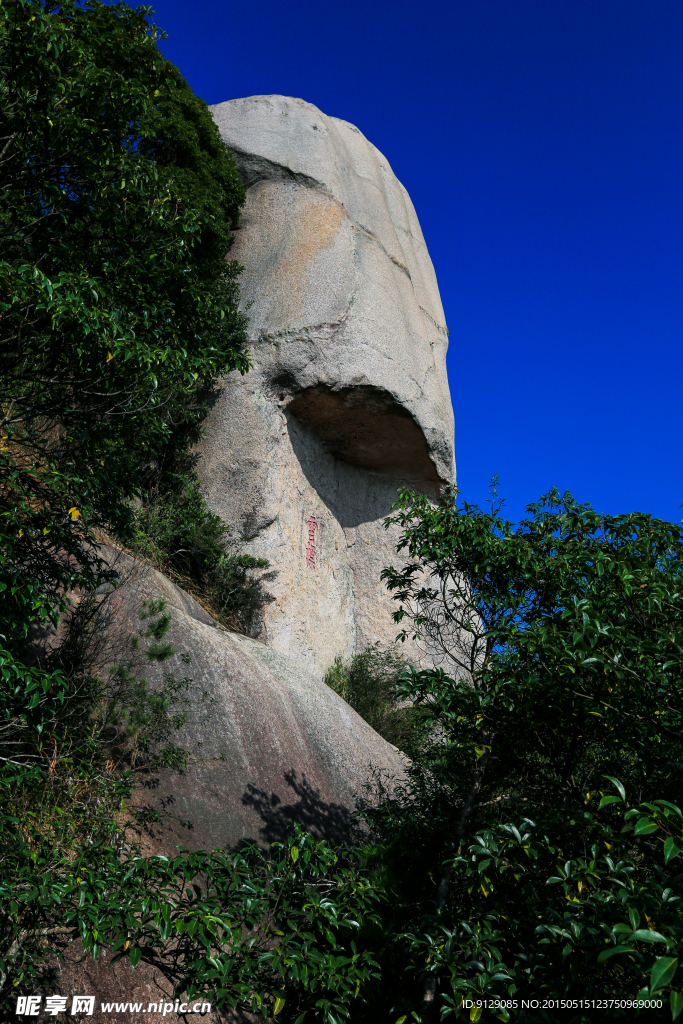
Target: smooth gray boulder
[275,744]
[348,396]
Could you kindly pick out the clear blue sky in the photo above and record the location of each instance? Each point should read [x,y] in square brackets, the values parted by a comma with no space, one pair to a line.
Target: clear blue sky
[542,144]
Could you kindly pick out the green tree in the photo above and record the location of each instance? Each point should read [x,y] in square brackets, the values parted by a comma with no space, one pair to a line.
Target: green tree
[534,851]
[118,309]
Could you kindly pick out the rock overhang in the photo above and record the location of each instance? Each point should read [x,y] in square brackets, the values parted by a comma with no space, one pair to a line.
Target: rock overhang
[368,428]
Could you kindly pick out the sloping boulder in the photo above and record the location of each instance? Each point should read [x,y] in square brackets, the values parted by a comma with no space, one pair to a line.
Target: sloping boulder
[274,744]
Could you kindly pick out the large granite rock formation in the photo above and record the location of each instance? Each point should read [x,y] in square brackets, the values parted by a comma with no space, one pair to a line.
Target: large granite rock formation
[348,396]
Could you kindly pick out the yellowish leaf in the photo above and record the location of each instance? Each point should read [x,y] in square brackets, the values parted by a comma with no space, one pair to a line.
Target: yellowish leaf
[74,512]
[109,356]
[279,1005]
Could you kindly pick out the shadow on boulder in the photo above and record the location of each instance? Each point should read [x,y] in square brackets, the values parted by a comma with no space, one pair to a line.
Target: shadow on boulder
[331,821]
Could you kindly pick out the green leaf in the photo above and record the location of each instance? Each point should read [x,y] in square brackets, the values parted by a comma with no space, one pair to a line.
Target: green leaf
[676,1003]
[295,853]
[613,951]
[134,954]
[647,935]
[644,826]
[606,800]
[671,849]
[670,806]
[279,1005]
[662,972]
[618,784]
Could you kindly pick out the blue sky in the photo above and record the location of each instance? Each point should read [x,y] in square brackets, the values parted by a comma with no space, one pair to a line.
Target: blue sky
[541,142]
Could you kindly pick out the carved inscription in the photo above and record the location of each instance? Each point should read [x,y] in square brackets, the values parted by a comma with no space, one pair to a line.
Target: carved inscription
[312,527]
[311,551]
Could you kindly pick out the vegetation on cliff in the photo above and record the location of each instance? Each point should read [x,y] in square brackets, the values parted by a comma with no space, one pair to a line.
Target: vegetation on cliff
[176,533]
[118,311]
[371,683]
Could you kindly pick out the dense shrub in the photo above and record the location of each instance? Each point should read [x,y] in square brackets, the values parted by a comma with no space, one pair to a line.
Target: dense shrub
[177,533]
[369,683]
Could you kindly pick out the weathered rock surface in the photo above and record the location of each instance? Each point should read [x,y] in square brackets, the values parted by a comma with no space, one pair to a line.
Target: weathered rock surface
[348,396]
[278,744]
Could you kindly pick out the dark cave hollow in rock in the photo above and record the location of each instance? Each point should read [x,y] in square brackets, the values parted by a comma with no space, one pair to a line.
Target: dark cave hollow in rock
[366,427]
[341,439]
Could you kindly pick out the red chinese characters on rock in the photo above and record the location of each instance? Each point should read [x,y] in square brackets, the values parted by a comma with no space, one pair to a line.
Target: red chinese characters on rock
[311,525]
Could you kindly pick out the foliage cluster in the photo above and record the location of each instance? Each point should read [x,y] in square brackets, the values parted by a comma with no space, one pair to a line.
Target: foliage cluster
[534,851]
[118,309]
[177,533]
[369,683]
[256,931]
[75,739]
